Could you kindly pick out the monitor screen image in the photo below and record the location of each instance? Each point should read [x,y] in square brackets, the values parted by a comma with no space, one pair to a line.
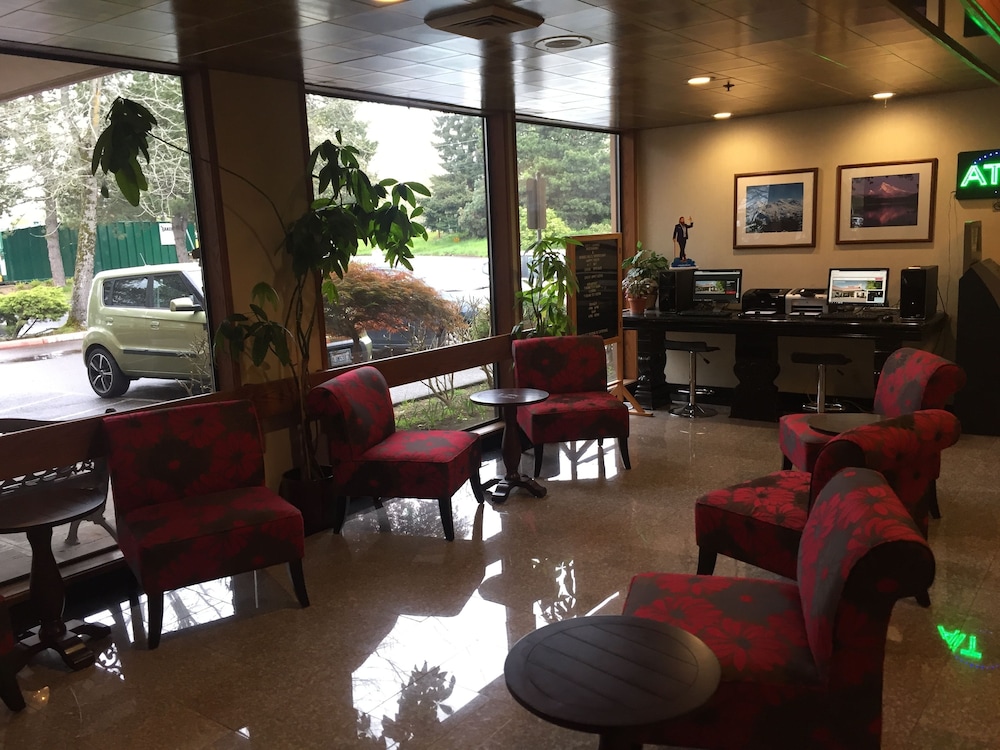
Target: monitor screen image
[717,284]
[858,286]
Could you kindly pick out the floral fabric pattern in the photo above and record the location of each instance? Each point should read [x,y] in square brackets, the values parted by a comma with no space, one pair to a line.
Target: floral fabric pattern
[573,369]
[911,379]
[801,664]
[190,499]
[761,521]
[370,457]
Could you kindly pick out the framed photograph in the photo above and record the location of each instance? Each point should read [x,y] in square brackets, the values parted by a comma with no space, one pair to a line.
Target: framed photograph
[775,209]
[890,202]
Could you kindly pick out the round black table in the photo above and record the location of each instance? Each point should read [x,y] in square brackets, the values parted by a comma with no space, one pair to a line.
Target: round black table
[509,399]
[34,512]
[611,675]
[834,423]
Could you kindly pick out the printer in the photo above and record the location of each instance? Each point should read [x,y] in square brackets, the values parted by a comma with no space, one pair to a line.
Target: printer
[764,301]
[805,302]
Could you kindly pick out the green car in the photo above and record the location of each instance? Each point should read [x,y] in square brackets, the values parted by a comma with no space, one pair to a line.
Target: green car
[146,322]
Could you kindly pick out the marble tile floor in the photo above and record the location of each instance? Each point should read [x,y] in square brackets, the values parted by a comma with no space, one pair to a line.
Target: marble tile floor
[404,644]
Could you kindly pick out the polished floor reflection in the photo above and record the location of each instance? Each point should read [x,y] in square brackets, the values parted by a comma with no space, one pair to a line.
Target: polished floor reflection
[404,644]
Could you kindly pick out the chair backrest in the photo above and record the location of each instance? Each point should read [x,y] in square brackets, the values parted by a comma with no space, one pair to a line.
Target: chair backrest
[90,474]
[355,410]
[162,455]
[905,450]
[913,379]
[860,552]
[561,364]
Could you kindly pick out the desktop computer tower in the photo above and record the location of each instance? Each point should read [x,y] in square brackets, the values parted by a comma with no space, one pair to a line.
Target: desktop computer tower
[676,290]
[918,292]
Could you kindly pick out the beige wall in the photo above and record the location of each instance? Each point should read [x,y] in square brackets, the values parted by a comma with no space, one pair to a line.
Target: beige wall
[690,170]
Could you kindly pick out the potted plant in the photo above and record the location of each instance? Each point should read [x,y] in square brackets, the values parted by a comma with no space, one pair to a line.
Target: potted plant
[646,264]
[637,288]
[349,210]
[543,297]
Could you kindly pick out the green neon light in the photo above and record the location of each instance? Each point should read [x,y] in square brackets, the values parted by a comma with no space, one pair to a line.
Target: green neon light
[975,174]
[955,638]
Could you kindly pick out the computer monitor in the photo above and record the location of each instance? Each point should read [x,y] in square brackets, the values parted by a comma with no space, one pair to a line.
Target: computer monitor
[858,287]
[718,284]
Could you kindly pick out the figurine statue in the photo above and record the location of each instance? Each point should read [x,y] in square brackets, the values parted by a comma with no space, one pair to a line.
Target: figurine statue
[680,240]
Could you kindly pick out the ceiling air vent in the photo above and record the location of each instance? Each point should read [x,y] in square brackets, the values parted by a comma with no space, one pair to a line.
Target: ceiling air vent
[484,21]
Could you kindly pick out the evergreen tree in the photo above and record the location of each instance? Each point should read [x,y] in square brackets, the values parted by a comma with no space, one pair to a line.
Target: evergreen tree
[460,149]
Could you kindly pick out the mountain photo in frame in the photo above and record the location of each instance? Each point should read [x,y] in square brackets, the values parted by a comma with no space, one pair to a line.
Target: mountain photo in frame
[886,202]
[775,209]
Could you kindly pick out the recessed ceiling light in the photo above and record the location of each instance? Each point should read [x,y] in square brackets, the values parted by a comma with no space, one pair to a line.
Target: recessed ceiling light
[722,115]
[883,95]
[563,43]
[700,80]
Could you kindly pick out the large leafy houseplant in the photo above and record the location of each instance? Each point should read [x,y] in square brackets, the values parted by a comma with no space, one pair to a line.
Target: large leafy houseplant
[349,210]
[544,298]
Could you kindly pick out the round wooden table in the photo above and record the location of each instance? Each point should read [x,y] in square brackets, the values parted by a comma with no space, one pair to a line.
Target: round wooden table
[509,399]
[34,512]
[834,423]
[611,675]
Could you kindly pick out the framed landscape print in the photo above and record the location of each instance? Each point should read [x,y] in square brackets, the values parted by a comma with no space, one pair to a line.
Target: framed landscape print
[775,209]
[888,202]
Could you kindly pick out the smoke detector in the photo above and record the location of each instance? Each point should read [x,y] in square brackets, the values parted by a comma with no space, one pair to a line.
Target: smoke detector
[484,21]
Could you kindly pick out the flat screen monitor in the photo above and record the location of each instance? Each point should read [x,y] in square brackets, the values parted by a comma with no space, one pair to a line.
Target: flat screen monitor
[858,287]
[718,284]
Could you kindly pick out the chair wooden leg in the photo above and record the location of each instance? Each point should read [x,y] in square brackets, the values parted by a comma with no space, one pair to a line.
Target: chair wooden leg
[706,561]
[72,536]
[10,691]
[339,512]
[477,485]
[924,599]
[298,582]
[932,500]
[623,449]
[444,503]
[786,463]
[154,602]
[538,458]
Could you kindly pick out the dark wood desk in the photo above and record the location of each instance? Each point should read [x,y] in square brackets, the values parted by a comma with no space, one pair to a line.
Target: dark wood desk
[34,512]
[611,675]
[756,396]
[509,399]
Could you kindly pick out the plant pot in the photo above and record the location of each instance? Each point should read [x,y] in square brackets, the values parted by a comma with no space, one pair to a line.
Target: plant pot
[636,305]
[316,499]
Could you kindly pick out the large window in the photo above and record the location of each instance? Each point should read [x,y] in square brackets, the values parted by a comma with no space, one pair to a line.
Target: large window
[445,299]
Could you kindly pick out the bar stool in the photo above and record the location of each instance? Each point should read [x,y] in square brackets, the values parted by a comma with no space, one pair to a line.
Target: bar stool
[821,361]
[691,410]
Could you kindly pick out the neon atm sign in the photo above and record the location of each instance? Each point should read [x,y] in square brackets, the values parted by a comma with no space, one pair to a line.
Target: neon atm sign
[978,174]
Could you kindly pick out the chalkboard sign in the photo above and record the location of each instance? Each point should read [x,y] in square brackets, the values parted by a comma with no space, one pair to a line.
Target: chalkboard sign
[596,307]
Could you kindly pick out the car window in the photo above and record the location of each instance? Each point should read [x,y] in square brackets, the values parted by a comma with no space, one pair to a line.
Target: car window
[168,286]
[127,292]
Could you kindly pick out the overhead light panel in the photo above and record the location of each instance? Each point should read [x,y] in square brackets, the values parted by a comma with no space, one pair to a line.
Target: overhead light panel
[700,80]
[883,95]
[722,115]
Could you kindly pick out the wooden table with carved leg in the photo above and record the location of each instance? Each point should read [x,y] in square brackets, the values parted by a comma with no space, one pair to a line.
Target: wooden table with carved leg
[509,399]
[35,513]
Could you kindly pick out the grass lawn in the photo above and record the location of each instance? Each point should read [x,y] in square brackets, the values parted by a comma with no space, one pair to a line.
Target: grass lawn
[445,245]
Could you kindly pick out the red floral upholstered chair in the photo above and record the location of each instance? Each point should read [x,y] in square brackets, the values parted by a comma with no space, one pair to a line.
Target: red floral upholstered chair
[801,662]
[10,691]
[370,457]
[911,379]
[573,369]
[761,521]
[190,500]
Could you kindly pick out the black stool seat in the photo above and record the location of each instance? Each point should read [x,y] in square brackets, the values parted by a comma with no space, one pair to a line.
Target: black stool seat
[691,410]
[821,360]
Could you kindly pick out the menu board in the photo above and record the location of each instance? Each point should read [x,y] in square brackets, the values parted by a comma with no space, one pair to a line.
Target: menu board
[596,306]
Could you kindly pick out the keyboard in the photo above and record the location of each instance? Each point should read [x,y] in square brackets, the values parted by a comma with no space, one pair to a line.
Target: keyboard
[695,313]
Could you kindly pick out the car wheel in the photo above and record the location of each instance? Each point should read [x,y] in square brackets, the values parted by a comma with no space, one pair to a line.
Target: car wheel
[104,374]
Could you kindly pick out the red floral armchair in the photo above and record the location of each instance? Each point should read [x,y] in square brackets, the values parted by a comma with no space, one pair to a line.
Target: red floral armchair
[911,379]
[801,663]
[761,521]
[10,691]
[371,458]
[190,500]
[573,369]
